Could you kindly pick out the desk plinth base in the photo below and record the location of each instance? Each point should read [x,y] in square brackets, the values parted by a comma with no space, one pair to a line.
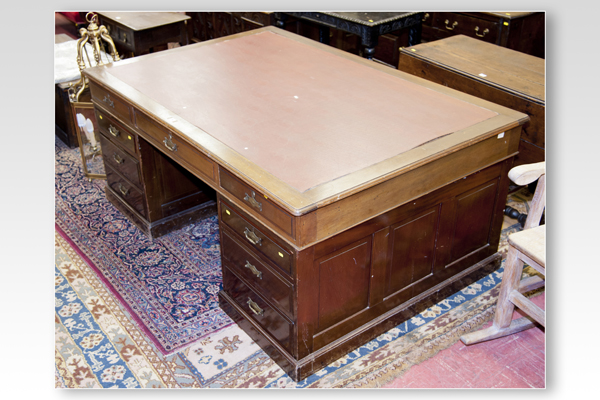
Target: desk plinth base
[165,225]
[301,369]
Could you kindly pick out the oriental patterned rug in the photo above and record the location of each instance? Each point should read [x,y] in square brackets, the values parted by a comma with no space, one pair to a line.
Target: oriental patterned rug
[130,313]
[169,285]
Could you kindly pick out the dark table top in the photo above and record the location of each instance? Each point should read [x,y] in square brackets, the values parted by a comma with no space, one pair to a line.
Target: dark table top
[370,18]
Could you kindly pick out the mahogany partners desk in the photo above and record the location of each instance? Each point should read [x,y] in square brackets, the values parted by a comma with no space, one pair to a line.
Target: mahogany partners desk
[348,192]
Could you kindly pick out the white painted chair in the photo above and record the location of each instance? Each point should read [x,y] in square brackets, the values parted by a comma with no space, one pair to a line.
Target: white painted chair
[528,245]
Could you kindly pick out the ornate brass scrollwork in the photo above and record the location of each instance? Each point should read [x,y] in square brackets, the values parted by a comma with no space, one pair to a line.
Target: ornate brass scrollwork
[93,35]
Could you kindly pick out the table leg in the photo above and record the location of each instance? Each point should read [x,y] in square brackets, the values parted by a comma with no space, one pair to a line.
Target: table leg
[369,52]
[324,34]
[414,35]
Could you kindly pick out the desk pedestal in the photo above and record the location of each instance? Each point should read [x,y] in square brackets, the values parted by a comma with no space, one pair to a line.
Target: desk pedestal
[308,307]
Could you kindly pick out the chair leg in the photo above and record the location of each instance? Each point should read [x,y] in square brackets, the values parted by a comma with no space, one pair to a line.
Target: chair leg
[502,325]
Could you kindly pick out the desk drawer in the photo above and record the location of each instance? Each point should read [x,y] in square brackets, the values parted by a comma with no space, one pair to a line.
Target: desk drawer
[116,131]
[279,327]
[254,237]
[176,148]
[257,203]
[458,24]
[257,274]
[125,191]
[120,161]
[111,102]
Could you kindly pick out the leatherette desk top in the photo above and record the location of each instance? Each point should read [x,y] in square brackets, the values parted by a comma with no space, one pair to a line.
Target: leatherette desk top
[304,123]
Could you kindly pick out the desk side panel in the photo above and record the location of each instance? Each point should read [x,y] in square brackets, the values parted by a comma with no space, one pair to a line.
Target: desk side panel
[362,206]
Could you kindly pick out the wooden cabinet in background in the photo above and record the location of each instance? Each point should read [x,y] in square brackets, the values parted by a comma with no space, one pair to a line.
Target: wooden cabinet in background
[211,25]
[520,31]
[502,76]
[137,33]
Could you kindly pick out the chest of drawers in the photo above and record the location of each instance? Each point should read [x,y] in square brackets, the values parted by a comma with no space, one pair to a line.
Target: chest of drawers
[520,31]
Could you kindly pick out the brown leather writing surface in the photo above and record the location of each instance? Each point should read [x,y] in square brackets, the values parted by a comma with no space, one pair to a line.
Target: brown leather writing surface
[302,114]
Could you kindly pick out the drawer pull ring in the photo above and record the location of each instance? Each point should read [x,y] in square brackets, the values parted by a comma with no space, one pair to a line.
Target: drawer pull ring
[253,269]
[124,191]
[254,307]
[454,24]
[253,202]
[118,159]
[169,143]
[425,17]
[113,131]
[252,238]
[108,101]
[486,30]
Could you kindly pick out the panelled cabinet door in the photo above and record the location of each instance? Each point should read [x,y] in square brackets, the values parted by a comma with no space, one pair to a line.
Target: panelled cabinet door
[403,253]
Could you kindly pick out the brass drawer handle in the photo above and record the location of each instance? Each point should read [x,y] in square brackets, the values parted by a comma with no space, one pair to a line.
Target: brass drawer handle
[113,131]
[169,143]
[253,202]
[486,30]
[252,238]
[118,159]
[124,191]
[253,269]
[108,101]
[454,24]
[254,307]
[425,17]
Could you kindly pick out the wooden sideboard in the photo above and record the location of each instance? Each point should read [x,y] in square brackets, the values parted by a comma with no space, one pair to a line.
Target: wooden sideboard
[503,76]
[137,33]
[338,219]
[520,31]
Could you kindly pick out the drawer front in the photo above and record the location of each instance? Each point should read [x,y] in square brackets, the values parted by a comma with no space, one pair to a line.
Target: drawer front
[125,191]
[458,24]
[254,237]
[259,310]
[121,35]
[116,131]
[111,102]
[257,274]
[257,203]
[177,149]
[120,161]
